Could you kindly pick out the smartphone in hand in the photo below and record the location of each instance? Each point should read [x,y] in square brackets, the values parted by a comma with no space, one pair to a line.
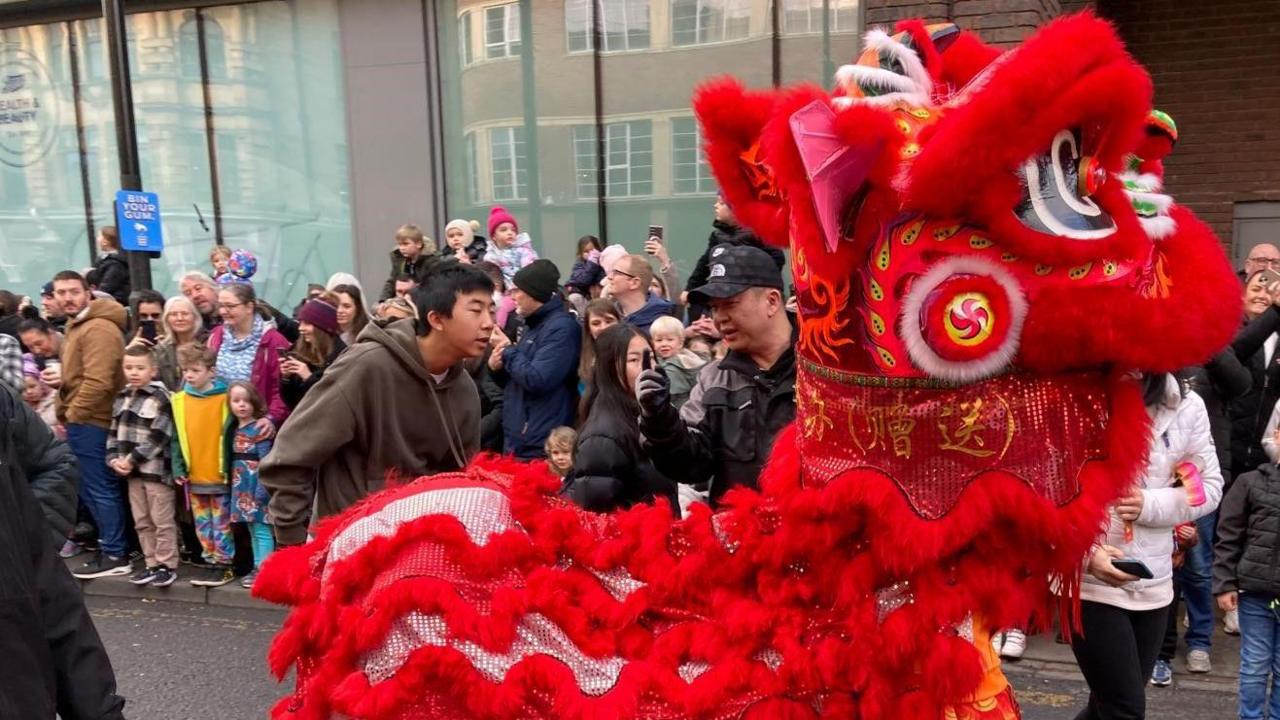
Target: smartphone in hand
[646,361]
[148,330]
[655,231]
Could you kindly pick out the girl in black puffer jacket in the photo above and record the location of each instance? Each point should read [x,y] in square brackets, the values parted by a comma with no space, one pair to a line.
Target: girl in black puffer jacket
[610,468]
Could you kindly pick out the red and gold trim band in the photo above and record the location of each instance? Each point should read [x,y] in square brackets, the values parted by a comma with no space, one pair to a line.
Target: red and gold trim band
[932,439]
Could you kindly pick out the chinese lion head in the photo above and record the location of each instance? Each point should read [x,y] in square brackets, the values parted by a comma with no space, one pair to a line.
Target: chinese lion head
[980,266]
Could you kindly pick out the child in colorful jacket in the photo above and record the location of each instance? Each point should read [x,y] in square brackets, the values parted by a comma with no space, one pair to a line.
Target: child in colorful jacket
[200,416]
[509,248]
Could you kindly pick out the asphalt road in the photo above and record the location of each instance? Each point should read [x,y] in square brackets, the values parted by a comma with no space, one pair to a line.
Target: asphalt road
[180,661]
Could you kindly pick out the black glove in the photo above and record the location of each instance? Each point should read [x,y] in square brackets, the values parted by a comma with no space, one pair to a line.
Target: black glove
[653,391]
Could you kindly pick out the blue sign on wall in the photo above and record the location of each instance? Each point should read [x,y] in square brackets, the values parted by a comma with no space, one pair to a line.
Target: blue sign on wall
[138,221]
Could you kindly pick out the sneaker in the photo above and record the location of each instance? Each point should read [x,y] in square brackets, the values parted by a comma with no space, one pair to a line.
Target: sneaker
[135,558]
[164,577]
[247,581]
[1231,622]
[1198,661]
[145,576]
[84,532]
[213,576]
[70,549]
[1015,643]
[103,565]
[1162,675]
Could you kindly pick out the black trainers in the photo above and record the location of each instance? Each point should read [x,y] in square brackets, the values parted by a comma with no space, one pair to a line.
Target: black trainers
[103,565]
[213,576]
[145,576]
[164,577]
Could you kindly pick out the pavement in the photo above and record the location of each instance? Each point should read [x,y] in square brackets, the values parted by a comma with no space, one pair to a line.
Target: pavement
[1046,658]
[186,652]
[230,595]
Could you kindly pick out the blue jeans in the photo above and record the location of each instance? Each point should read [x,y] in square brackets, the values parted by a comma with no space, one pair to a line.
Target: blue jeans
[1195,581]
[99,486]
[1259,656]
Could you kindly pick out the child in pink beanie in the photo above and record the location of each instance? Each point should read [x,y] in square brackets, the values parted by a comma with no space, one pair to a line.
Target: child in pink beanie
[509,248]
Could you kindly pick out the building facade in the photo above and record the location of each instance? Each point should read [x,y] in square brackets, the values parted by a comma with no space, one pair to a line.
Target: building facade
[308,130]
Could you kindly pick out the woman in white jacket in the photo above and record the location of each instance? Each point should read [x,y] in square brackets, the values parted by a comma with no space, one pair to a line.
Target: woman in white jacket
[1124,617]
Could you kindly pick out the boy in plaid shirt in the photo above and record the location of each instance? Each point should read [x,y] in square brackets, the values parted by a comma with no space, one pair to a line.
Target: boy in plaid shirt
[138,448]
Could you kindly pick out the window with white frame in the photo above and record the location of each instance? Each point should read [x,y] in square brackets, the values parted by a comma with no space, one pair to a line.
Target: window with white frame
[624,24]
[584,160]
[628,159]
[473,168]
[694,22]
[690,173]
[805,16]
[508,164]
[502,31]
[465,50]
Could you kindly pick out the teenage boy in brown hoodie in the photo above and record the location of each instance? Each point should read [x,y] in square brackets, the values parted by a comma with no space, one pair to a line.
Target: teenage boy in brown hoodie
[398,400]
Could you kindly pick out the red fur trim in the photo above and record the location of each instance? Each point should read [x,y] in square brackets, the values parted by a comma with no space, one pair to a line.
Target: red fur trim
[1071,327]
[731,119]
[1074,73]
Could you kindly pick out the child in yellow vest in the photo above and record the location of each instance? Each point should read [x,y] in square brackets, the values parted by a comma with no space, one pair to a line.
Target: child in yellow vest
[200,417]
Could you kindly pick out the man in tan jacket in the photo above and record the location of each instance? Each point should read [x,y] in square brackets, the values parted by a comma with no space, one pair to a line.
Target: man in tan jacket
[398,401]
[91,357]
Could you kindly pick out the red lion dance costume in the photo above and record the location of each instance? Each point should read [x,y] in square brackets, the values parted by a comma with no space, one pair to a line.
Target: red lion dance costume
[974,286]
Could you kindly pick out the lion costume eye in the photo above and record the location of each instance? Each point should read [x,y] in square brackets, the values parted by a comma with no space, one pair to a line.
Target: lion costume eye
[1055,195]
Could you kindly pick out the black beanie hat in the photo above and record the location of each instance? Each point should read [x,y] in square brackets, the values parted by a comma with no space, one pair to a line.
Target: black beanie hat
[538,279]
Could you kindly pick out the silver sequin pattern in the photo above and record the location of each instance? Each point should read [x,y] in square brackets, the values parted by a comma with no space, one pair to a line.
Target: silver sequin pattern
[483,512]
[536,635]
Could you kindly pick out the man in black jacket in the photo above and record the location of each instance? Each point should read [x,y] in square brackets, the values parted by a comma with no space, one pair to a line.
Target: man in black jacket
[51,659]
[739,405]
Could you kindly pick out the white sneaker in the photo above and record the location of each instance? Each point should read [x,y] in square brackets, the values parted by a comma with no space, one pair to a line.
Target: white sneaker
[1198,661]
[1015,643]
[1231,622]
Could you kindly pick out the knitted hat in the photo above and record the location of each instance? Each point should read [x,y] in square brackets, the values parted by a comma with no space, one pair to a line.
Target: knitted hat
[499,215]
[320,314]
[538,279]
[610,257]
[464,226]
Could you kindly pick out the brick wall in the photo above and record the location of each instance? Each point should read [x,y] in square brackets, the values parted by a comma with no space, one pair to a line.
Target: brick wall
[1216,68]
[1000,22]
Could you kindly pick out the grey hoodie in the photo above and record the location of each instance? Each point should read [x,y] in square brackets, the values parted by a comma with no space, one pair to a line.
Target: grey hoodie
[376,411]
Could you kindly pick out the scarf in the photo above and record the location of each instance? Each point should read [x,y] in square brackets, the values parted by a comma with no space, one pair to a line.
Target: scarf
[235,356]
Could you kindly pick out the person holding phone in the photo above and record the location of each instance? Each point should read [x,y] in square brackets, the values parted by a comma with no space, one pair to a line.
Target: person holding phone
[668,279]
[318,346]
[611,469]
[1128,582]
[537,371]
